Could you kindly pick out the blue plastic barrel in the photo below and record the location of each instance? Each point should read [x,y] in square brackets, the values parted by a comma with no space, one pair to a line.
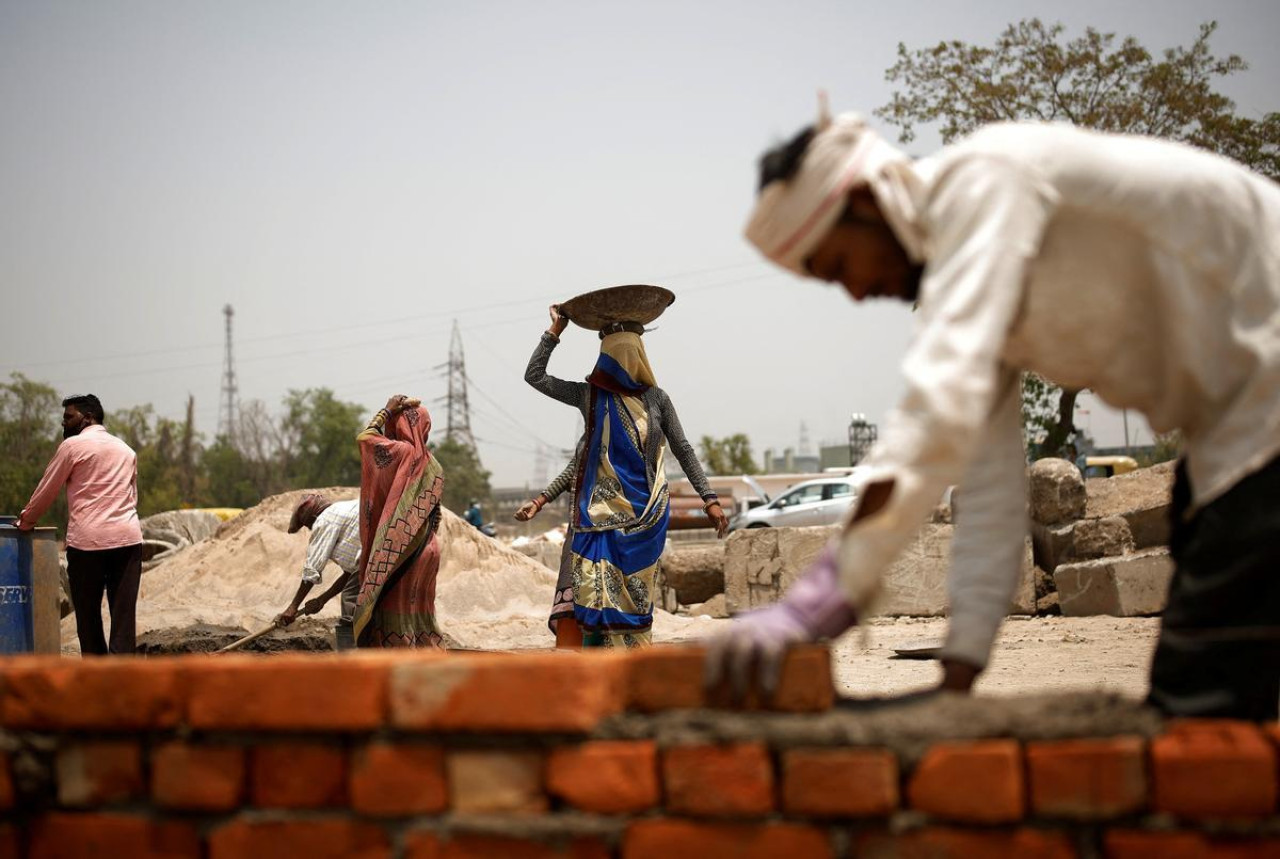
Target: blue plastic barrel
[28,588]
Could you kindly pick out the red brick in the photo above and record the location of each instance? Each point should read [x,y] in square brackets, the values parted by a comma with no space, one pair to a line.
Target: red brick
[839,782]
[1087,779]
[666,678]
[940,843]
[719,781]
[978,782]
[103,836]
[93,694]
[502,693]
[298,775]
[1222,770]
[496,782]
[682,839]
[670,678]
[804,687]
[398,779]
[1136,844]
[310,838]
[428,845]
[286,693]
[10,842]
[1245,847]
[1139,844]
[605,777]
[7,794]
[100,772]
[197,778]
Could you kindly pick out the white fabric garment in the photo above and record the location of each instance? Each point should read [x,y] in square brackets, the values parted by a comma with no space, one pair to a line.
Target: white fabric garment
[1144,270]
[335,536]
[791,218]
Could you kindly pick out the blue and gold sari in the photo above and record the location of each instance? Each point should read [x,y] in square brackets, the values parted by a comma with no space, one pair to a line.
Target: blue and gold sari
[620,522]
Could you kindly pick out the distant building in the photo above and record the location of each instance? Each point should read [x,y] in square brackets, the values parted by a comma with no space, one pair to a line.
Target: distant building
[834,456]
[790,462]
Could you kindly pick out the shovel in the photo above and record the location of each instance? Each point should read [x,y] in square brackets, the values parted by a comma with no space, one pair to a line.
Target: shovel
[249,639]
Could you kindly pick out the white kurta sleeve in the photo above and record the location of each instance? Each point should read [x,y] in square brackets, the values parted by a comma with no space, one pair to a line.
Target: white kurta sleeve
[984,218]
[990,512]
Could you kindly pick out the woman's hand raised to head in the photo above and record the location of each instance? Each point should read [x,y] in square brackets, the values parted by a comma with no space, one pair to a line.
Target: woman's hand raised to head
[559,322]
[400,402]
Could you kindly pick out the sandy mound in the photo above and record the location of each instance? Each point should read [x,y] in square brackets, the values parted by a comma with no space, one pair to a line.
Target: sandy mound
[488,597]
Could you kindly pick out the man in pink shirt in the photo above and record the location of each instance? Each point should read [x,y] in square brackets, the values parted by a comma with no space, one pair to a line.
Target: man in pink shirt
[104,539]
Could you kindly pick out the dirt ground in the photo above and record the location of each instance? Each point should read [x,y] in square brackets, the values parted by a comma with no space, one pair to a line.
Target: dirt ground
[1033,654]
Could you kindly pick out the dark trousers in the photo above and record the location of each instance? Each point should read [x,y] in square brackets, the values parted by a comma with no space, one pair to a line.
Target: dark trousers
[117,572]
[343,630]
[1219,649]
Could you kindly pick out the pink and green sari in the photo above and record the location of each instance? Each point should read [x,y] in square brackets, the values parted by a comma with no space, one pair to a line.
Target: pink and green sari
[400,488]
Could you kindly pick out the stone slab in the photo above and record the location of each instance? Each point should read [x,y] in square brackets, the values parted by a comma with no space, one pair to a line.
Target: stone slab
[1083,540]
[760,564]
[1128,586]
[696,573]
[1056,491]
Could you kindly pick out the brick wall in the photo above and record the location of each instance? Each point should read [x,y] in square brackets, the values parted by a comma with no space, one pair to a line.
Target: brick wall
[556,755]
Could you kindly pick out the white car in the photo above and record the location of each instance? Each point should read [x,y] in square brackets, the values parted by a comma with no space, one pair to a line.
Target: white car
[823,501]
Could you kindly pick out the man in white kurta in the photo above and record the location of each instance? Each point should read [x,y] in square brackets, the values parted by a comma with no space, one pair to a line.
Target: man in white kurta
[1144,270]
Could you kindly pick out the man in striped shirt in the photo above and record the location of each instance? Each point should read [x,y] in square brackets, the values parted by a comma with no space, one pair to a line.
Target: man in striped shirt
[335,536]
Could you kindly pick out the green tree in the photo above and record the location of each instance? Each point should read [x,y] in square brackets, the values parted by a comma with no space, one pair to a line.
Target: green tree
[154,440]
[228,476]
[1032,71]
[30,429]
[728,455]
[464,477]
[319,435]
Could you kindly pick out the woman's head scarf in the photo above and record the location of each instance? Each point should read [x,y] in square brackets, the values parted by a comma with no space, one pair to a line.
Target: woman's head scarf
[623,367]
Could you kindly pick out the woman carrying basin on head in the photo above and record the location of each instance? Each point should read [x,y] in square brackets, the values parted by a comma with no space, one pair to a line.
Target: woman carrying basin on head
[620,495]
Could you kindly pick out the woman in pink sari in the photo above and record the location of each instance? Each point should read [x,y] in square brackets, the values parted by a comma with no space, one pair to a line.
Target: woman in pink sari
[400,488]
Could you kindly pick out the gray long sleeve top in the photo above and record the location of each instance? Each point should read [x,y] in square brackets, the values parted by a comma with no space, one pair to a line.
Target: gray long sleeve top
[562,481]
[662,414]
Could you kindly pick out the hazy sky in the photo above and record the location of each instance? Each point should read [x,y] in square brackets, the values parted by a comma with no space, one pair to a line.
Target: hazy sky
[352,177]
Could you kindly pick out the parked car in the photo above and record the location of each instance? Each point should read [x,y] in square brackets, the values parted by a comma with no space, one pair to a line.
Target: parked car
[823,501]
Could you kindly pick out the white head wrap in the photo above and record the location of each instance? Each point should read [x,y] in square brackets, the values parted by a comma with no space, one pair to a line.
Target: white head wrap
[792,217]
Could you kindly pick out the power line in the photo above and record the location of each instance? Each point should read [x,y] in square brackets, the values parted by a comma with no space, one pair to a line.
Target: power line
[458,412]
[229,401]
[276,336]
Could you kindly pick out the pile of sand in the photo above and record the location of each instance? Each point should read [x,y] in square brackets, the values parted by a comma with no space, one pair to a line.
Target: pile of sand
[488,596]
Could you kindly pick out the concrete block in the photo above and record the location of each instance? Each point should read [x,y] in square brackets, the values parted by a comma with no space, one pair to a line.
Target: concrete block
[696,573]
[1084,540]
[1142,497]
[1056,491]
[760,564]
[916,583]
[1024,596]
[1101,538]
[1127,586]
[1150,526]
